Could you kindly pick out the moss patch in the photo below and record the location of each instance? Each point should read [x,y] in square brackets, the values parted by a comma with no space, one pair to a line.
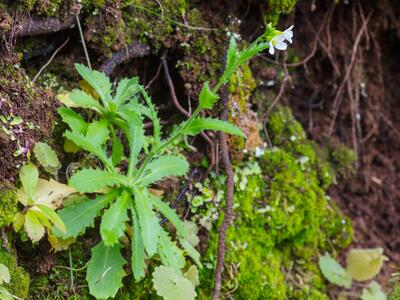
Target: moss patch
[8,206]
[284,219]
[19,284]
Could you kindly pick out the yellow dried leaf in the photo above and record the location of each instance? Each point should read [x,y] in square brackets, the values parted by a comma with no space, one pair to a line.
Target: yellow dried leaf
[58,244]
[365,264]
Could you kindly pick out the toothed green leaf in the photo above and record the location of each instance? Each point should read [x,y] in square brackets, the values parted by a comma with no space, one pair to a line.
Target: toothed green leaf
[97,80]
[80,215]
[83,100]
[138,255]
[113,222]
[200,124]
[162,167]
[73,119]
[334,272]
[105,271]
[126,89]
[207,97]
[29,175]
[92,180]
[47,157]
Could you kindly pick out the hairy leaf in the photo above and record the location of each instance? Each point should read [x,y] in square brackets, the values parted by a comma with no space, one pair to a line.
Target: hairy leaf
[86,144]
[373,292]
[149,225]
[92,180]
[97,132]
[170,254]
[80,215]
[200,124]
[99,81]
[126,89]
[73,119]
[33,227]
[105,271]
[191,251]
[207,97]
[334,272]
[365,264]
[164,166]
[117,150]
[81,99]
[29,175]
[138,255]
[172,286]
[113,222]
[47,157]
[169,213]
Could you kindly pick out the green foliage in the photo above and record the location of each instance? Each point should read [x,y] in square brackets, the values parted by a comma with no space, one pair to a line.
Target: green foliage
[334,272]
[124,112]
[362,264]
[105,271]
[19,279]
[277,7]
[47,157]
[172,286]
[373,292]
[40,198]
[281,224]
[395,294]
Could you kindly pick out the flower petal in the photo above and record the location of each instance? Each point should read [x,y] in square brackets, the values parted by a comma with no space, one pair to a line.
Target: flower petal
[280,45]
[271,48]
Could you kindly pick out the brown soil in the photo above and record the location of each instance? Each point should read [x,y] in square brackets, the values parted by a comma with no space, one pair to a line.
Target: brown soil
[367,111]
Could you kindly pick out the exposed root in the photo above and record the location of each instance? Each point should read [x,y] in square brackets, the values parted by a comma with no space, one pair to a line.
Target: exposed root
[132,51]
[228,214]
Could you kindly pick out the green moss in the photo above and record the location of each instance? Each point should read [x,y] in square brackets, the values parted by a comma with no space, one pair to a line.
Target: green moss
[395,294]
[19,284]
[282,223]
[8,206]
[341,158]
[277,7]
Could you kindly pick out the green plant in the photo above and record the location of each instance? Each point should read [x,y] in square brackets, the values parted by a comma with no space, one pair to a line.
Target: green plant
[362,265]
[122,193]
[40,198]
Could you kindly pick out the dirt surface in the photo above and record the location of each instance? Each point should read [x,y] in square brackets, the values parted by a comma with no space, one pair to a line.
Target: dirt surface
[359,109]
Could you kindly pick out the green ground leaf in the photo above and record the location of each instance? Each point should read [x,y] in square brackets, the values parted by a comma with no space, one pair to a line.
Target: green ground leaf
[334,272]
[4,274]
[80,215]
[207,97]
[149,223]
[97,80]
[200,124]
[193,275]
[365,264]
[73,119]
[113,222]
[138,255]
[373,292]
[105,271]
[92,180]
[191,251]
[29,175]
[192,230]
[5,294]
[164,166]
[172,286]
[47,157]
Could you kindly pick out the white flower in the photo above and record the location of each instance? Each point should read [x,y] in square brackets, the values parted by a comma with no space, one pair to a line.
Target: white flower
[278,41]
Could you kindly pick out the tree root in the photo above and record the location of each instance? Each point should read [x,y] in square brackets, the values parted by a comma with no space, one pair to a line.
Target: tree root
[228,216]
[134,50]
[35,25]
